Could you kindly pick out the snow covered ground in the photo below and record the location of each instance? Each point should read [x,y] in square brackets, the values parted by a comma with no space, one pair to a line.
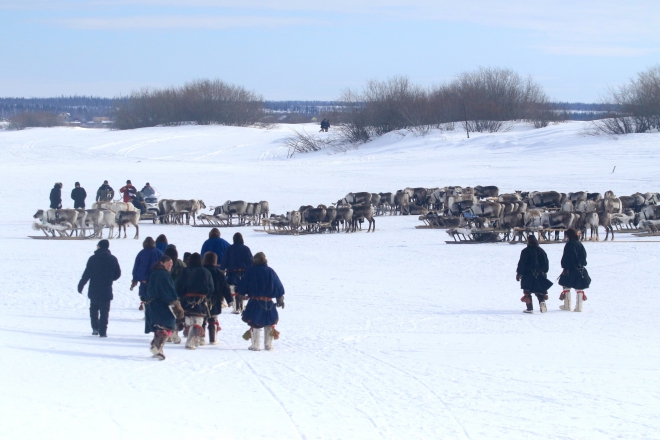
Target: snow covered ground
[386,335]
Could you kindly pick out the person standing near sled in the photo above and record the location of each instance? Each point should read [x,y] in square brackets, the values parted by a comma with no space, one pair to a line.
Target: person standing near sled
[128,191]
[193,286]
[56,196]
[101,271]
[532,273]
[574,275]
[220,291]
[162,306]
[78,195]
[261,285]
[105,193]
[235,261]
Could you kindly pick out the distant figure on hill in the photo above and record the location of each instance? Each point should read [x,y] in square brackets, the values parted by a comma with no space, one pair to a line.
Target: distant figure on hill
[105,193]
[78,195]
[56,196]
[325,125]
[101,271]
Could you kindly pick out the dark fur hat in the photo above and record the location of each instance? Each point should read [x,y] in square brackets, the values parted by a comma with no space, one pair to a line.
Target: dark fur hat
[259,259]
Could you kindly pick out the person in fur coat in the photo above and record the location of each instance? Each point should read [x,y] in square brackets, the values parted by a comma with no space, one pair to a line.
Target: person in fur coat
[162,305]
[532,273]
[220,292]
[235,261]
[193,286]
[574,275]
[261,285]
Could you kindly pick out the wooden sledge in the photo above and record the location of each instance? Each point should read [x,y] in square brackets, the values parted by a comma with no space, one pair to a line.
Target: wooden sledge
[481,236]
[647,234]
[43,237]
[220,226]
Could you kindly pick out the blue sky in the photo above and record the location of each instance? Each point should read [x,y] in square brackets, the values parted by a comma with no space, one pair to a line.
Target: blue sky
[302,50]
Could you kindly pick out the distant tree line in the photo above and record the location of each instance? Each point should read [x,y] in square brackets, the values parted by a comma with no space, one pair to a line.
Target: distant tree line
[79,107]
[202,102]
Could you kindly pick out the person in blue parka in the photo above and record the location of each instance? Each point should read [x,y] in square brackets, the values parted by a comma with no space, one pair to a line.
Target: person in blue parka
[236,260]
[144,262]
[162,305]
[215,244]
[261,285]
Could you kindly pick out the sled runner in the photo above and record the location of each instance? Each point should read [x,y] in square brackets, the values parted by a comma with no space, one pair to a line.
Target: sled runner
[64,237]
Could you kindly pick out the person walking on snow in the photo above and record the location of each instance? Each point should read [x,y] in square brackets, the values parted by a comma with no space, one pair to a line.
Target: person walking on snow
[220,292]
[574,275]
[532,273]
[261,285]
[128,191]
[235,262]
[78,195]
[162,306]
[177,269]
[193,286]
[56,196]
[144,261]
[101,271]
[215,244]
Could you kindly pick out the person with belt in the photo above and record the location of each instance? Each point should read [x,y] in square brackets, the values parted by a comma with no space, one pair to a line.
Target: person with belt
[235,261]
[261,285]
[193,286]
[574,275]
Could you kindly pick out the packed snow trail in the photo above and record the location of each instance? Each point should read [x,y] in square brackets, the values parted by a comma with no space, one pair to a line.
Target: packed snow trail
[386,335]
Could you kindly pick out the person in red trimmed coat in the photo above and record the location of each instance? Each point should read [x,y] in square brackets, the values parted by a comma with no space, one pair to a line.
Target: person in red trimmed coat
[128,191]
[261,285]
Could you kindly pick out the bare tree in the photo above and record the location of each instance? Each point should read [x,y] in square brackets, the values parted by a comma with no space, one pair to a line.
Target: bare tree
[635,107]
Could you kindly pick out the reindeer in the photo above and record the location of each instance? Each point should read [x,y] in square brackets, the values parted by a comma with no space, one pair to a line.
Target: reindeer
[362,212]
[125,218]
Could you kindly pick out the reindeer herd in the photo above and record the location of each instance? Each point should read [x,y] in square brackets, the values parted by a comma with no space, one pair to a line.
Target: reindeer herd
[481,207]
[535,211]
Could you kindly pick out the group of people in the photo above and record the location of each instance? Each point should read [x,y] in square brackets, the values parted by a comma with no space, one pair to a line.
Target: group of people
[105,193]
[533,268]
[189,294]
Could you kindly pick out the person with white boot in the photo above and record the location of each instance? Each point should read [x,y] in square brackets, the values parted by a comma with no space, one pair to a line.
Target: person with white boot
[532,273]
[193,286]
[574,275]
[261,286]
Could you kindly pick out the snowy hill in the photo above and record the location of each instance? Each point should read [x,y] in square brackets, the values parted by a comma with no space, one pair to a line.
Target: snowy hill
[385,335]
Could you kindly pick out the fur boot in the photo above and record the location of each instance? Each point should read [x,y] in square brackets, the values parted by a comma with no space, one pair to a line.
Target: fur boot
[202,335]
[175,338]
[579,300]
[213,328]
[236,310]
[194,325]
[268,337]
[255,335]
[566,294]
[159,341]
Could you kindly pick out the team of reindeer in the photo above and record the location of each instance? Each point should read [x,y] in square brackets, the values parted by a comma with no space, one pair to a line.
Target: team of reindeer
[454,206]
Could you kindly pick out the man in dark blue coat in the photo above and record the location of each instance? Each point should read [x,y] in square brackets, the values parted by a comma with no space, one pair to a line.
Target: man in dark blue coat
[101,271]
[144,262]
[215,244]
[236,260]
[261,285]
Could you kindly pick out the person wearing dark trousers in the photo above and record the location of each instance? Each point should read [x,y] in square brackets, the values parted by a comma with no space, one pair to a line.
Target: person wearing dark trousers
[235,261]
[220,292]
[101,271]
[78,195]
[532,273]
[56,196]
